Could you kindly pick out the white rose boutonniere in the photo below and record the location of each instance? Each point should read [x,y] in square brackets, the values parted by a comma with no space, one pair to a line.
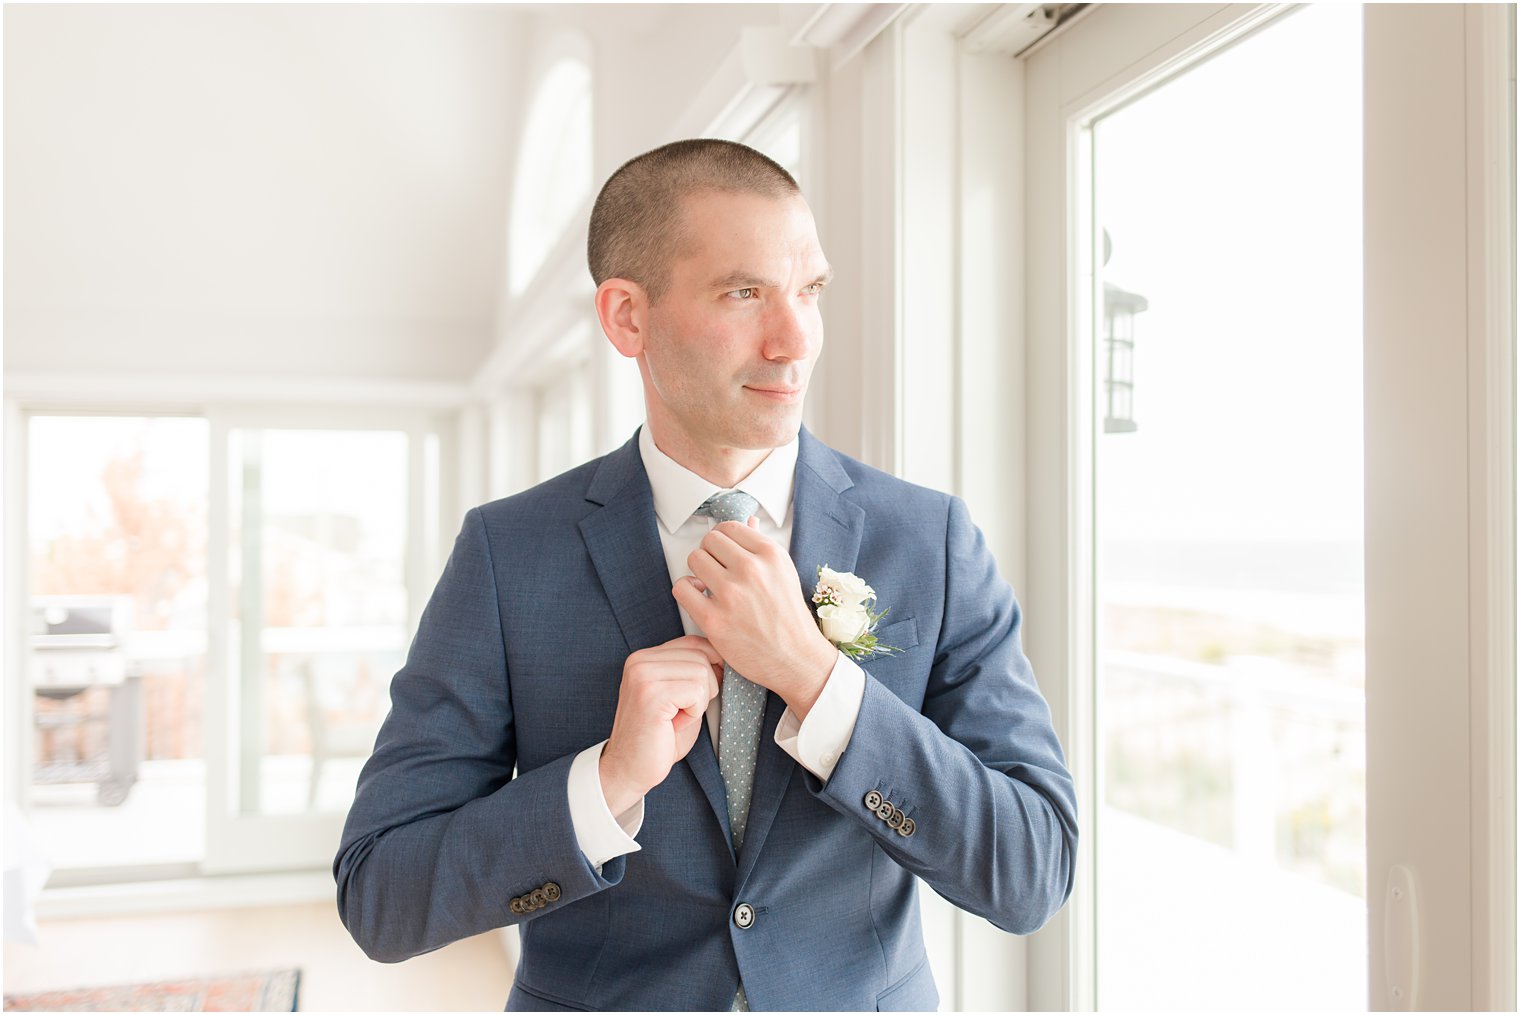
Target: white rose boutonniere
[845,616]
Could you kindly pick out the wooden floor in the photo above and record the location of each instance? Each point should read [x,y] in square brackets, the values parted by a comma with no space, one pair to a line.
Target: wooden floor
[470,975]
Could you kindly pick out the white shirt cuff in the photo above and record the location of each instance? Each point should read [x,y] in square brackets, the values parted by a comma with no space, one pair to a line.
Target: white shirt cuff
[600,836]
[818,742]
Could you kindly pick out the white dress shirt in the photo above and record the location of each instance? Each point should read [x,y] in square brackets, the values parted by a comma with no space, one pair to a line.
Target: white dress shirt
[816,743]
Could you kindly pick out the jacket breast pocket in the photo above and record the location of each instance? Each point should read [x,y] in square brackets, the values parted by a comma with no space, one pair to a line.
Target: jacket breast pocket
[904,672]
[900,634]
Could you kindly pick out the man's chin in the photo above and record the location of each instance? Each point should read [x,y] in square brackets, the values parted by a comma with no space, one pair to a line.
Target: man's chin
[766,436]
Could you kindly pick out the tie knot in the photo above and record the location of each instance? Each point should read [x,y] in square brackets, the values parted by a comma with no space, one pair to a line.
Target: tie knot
[736,506]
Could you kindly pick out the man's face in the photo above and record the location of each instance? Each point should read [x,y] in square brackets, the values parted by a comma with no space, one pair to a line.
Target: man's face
[733,341]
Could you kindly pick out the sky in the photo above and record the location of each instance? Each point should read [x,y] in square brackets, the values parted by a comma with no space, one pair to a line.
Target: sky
[1232,197]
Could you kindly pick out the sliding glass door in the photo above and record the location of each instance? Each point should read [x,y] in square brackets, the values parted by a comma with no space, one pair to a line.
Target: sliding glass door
[314,596]
[1269,279]
[114,667]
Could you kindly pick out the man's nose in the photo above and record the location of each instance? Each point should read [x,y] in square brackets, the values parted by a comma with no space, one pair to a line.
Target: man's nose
[791,331]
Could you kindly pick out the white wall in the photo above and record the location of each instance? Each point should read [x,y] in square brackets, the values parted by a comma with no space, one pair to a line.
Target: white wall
[289,190]
[652,66]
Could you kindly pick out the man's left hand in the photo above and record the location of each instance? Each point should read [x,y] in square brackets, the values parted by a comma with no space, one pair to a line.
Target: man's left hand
[756,617]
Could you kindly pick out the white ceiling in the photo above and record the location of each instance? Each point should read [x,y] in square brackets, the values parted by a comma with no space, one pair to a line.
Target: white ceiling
[315,190]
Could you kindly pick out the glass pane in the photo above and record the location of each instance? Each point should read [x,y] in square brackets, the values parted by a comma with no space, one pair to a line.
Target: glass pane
[779,135]
[116,530]
[1230,837]
[318,544]
[554,170]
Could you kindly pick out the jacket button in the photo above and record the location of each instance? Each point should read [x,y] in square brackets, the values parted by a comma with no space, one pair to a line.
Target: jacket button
[886,810]
[907,828]
[517,907]
[744,916]
[873,800]
[551,892]
[537,899]
[896,820]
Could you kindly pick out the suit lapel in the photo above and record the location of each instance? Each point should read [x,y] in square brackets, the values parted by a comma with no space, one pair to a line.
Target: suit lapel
[702,759]
[826,529]
[623,541]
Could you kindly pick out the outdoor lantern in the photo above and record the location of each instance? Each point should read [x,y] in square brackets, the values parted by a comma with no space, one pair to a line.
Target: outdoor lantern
[1119,309]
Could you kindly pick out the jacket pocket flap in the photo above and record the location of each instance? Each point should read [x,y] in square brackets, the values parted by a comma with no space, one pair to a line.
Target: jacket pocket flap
[901,634]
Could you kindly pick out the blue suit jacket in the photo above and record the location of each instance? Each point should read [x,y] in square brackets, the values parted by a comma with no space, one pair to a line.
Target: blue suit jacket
[518,661]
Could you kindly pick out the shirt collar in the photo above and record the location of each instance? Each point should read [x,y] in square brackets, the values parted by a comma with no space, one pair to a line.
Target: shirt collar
[678,491]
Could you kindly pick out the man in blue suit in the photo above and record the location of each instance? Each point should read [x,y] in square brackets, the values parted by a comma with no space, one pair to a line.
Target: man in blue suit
[712,804]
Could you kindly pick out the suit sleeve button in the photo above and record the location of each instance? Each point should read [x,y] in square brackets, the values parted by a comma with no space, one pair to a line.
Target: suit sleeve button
[907,827]
[552,892]
[517,906]
[744,916]
[538,899]
[873,800]
[895,821]
[886,810]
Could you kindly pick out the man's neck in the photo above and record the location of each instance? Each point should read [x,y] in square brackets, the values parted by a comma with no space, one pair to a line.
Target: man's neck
[724,467]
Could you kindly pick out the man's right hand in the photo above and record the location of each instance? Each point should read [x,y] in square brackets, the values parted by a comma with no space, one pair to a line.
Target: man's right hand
[661,706]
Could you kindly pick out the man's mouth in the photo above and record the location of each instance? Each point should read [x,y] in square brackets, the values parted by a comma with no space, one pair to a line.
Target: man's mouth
[778,394]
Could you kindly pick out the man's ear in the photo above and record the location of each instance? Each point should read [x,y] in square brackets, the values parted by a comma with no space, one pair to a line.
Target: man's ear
[622,306]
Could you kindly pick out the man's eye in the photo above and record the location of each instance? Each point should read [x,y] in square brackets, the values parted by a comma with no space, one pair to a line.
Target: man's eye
[743,294]
[813,289]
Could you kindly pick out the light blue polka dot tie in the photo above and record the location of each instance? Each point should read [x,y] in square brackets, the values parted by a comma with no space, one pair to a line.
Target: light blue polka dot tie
[741,709]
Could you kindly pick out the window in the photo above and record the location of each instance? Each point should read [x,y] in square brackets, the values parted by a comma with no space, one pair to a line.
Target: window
[320,609]
[318,574]
[553,172]
[780,132]
[1228,499]
[1157,736]
[215,607]
[116,661]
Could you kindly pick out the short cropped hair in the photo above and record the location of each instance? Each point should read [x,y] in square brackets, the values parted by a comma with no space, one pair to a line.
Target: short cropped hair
[636,223]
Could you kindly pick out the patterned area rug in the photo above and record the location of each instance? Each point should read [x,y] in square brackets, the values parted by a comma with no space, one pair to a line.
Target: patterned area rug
[268,991]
